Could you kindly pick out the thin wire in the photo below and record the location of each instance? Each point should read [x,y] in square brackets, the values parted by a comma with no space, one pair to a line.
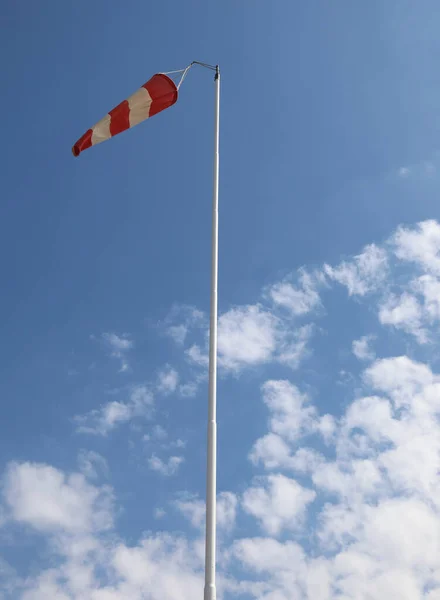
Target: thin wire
[212,67]
[178,71]
[185,73]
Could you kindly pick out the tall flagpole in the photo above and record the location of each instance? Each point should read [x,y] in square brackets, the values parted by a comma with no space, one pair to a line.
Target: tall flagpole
[211,467]
[100,132]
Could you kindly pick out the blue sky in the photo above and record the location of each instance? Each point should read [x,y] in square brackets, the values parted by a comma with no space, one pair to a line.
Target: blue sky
[329,385]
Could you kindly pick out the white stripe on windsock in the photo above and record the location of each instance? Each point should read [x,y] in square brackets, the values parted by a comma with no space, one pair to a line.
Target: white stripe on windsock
[101,131]
[140,104]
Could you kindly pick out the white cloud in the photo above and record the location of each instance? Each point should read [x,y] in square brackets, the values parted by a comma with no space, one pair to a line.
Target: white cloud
[403,532]
[181,321]
[159,567]
[291,418]
[178,333]
[429,287]
[197,356]
[373,415]
[250,336]
[278,503]
[359,478]
[404,172]
[380,528]
[403,312]
[46,587]
[92,464]
[272,451]
[227,506]
[160,438]
[421,170]
[119,347]
[420,245]
[165,467]
[247,336]
[158,433]
[413,462]
[294,347]
[364,274]
[103,420]
[298,300]
[376,544]
[168,380]
[291,413]
[189,389]
[253,335]
[362,348]
[46,499]
[327,427]
[400,376]
[192,508]
[118,343]
[306,460]
[265,555]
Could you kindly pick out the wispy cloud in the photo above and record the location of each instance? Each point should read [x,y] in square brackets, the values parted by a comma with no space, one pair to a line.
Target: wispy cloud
[364,273]
[342,505]
[181,321]
[404,172]
[189,389]
[298,299]
[195,354]
[158,433]
[166,467]
[403,312]
[92,464]
[192,508]
[362,348]
[425,169]
[104,419]
[168,380]
[119,347]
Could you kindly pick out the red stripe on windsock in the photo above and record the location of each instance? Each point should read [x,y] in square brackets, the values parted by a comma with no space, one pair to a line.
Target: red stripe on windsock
[119,118]
[83,143]
[163,93]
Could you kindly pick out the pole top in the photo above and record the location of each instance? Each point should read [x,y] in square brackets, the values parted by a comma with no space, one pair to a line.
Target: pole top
[215,68]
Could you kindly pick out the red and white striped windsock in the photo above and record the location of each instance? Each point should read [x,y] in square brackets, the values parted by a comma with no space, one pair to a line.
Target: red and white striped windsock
[158,93]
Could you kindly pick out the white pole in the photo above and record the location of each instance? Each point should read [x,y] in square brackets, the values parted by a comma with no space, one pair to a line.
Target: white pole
[211,470]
